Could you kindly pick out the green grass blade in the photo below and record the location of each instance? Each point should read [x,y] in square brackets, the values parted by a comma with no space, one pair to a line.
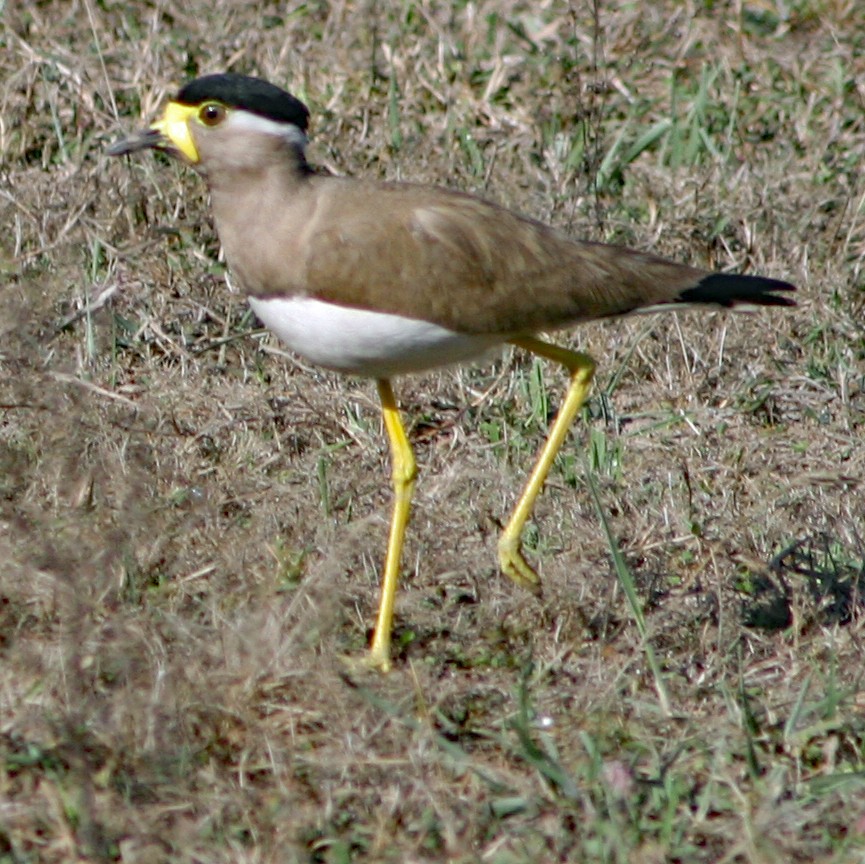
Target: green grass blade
[626,580]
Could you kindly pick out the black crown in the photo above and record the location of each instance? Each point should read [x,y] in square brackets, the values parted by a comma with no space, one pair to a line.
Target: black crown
[249,94]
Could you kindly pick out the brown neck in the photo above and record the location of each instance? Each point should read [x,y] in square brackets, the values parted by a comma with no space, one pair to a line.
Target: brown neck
[251,206]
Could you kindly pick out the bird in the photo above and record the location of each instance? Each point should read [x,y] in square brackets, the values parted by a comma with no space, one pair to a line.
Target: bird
[382,279]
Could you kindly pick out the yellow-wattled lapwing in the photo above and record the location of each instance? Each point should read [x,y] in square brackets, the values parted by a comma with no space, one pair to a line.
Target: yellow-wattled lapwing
[382,279]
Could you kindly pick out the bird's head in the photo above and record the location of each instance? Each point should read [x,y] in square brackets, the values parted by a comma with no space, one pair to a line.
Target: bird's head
[225,121]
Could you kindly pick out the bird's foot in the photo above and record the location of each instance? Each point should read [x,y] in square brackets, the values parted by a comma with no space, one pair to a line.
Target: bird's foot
[515,566]
[373,661]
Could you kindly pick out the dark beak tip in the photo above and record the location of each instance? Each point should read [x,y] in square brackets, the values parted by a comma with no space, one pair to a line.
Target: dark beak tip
[147,138]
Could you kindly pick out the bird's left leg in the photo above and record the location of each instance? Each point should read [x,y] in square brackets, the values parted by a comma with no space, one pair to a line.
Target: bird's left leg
[404,472]
[581,368]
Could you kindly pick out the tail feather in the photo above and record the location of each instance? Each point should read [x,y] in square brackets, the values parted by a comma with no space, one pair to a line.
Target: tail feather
[728,289]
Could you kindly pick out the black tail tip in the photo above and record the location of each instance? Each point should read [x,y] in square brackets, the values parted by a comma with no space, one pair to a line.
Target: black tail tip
[727,289]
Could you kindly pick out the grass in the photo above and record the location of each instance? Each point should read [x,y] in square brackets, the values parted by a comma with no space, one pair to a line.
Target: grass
[192,523]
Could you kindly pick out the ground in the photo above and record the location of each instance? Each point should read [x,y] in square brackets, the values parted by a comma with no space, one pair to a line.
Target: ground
[192,523]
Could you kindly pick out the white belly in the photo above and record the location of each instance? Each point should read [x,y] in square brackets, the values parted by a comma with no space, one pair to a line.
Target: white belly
[360,342]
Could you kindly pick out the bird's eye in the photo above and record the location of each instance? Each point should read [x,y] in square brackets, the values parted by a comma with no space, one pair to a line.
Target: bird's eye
[211,114]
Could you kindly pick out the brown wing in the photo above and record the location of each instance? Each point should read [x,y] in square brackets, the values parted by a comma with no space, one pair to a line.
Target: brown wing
[472,266]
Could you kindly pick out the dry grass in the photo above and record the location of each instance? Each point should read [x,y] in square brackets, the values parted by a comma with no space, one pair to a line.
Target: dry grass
[192,525]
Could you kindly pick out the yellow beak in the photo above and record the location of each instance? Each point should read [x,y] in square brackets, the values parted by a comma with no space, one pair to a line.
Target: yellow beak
[173,127]
[170,132]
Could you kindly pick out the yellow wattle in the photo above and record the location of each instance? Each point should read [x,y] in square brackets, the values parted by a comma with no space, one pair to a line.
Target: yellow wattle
[174,126]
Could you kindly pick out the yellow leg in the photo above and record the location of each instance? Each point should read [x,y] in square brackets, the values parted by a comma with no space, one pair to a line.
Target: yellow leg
[581,368]
[404,471]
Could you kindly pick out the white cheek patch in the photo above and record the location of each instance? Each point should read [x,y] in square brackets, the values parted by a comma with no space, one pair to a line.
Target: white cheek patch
[362,342]
[244,121]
